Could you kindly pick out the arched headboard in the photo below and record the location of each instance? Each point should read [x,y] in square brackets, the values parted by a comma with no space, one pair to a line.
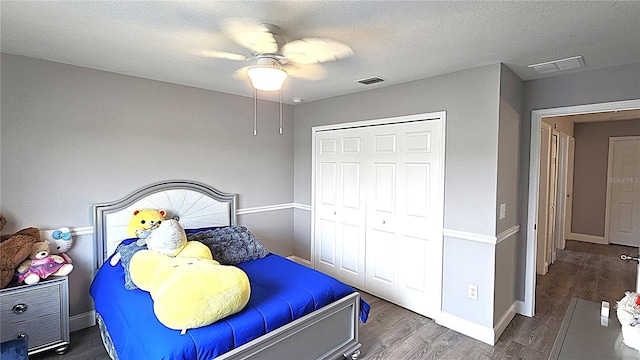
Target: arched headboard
[194,204]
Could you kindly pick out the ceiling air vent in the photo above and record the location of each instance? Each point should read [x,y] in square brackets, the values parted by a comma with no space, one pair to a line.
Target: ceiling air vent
[371,80]
[558,65]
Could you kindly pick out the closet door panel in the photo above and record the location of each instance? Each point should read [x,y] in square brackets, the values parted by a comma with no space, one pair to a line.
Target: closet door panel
[416,252]
[339,202]
[351,207]
[420,208]
[326,227]
[407,208]
[328,184]
[380,264]
[384,180]
[417,191]
[327,242]
[382,225]
[351,218]
[351,240]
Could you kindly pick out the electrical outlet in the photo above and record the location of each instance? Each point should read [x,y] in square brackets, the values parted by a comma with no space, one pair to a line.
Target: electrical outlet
[503,211]
[472,292]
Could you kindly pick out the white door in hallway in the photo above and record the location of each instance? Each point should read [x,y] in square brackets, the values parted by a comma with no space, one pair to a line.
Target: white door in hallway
[542,259]
[623,184]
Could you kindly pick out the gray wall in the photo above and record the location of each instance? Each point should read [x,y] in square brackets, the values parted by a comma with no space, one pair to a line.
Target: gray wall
[590,172]
[470,99]
[587,87]
[72,137]
[511,92]
[511,97]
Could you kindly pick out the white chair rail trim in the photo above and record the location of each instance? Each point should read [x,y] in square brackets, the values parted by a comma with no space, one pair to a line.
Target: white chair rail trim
[482,238]
[259,209]
[88,230]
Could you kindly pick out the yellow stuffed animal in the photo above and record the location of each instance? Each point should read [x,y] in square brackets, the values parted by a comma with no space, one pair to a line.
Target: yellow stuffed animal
[143,222]
[190,290]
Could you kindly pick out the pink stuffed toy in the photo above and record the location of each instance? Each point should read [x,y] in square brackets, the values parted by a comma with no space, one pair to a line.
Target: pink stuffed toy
[41,264]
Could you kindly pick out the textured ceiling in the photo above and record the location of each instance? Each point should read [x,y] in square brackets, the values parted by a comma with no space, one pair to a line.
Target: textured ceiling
[399,41]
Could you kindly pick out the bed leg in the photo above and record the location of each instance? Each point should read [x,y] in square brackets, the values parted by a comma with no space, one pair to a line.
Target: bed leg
[355,355]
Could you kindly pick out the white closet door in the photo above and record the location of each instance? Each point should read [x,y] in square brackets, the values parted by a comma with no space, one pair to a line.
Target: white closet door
[340,205]
[378,210]
[404,215]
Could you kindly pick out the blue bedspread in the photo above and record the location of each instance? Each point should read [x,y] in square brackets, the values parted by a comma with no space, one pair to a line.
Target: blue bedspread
[281,291]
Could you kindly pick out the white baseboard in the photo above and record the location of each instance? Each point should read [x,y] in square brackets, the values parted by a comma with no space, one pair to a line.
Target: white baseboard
[588,238]
[300,260]
[522,309]
[482,333]
[81,321]
[504,321]
[464,326]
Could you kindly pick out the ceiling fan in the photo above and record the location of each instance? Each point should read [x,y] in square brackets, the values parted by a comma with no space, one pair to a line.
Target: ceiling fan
[276,59]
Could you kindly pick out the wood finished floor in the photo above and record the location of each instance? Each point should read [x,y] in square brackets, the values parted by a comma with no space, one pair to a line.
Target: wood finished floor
[587,271]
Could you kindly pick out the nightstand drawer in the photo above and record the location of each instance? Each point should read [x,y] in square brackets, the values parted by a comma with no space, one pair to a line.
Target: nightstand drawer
[39,311]
[26,305]
[40,331]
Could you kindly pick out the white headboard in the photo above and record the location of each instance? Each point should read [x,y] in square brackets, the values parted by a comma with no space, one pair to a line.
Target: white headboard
[194,204]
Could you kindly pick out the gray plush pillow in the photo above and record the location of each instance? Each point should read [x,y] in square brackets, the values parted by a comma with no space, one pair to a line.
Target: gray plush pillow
[126,252]
[230,245]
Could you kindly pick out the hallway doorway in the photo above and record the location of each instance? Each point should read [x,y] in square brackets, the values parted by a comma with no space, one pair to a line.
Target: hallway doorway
[528,305]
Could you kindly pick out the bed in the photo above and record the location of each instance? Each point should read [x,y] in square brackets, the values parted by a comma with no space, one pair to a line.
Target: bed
[293,313]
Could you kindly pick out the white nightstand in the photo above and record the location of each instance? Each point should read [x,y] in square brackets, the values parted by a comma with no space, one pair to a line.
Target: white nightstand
[39,312]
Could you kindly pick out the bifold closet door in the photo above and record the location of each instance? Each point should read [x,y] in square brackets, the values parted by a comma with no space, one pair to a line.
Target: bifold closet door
[404,215]
[339,223]
[378,210]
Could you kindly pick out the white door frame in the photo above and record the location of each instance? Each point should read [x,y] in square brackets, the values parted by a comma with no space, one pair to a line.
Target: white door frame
[528,306]
[563,187]
[568,211]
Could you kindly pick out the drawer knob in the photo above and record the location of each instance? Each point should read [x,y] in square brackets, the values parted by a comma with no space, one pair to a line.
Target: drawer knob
[19,308]
[21,335]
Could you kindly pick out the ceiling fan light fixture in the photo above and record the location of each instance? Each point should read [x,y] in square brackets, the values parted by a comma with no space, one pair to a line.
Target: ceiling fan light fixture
[267,78]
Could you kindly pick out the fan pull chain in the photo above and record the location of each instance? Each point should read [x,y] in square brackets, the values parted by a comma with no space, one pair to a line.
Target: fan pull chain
[280,111]
[255,112]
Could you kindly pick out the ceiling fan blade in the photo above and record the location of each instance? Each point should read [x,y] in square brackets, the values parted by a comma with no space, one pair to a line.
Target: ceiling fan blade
[315,50]
[251,35]
[241,73]
[305,71]
[223,55]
